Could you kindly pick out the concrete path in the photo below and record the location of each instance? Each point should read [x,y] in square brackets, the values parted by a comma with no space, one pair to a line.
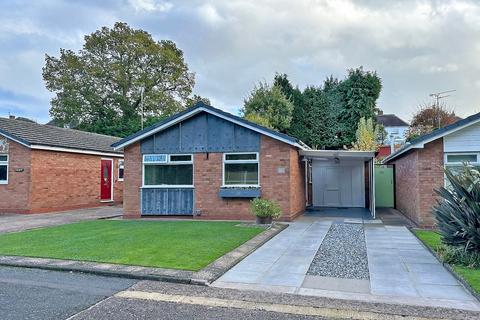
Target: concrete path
[401,270]
[20,222]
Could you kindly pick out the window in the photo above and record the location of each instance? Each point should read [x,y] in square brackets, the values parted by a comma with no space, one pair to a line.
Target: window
[121,169]
[455,161]
[168,170]
[3,169]
[240,169]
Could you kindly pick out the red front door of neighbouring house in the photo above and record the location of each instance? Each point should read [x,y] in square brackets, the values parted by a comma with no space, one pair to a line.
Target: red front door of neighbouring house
[106,180]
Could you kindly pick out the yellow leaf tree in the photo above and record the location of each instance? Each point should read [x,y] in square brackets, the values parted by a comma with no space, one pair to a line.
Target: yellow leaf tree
[366,136]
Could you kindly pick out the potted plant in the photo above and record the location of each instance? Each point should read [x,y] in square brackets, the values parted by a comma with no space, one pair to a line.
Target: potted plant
[265,210]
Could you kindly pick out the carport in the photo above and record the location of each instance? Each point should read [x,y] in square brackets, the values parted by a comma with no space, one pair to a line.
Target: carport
[340,179]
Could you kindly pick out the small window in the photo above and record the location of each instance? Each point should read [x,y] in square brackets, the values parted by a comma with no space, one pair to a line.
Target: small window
[181,158]
[121,169]
[168,170]
[240,169]
[3,169]
[461,158]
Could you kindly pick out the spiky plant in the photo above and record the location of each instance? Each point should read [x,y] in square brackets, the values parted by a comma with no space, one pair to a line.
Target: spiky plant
[458,210]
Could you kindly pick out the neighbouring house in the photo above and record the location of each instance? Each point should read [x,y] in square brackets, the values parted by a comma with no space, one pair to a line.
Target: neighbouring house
[395,127]
[207,163]
[45,168]
[419,165]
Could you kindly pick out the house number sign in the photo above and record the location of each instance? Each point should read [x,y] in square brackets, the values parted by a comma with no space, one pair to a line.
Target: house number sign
[3,146]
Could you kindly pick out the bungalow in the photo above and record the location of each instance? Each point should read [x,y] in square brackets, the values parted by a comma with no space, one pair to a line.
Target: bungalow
[419,165]
[45,168]
[207,163]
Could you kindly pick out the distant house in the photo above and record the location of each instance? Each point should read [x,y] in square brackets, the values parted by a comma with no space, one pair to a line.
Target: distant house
[395,127]
[209,164]
[420,163]
[45,168]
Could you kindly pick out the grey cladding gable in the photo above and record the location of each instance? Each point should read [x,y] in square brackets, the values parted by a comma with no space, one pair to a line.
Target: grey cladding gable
[202,132]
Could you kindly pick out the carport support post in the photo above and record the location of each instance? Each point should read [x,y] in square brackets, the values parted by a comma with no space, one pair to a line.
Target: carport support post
[372,186]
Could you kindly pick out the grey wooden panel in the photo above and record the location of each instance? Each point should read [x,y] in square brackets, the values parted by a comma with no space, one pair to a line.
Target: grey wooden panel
[167,201]
[202,133]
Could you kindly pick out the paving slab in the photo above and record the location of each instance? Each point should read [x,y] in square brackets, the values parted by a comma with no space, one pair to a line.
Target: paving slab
[401,269]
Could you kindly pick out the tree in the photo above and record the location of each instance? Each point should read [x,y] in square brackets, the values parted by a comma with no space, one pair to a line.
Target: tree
[269,103]
[319,125]
[197,98]
[258,119]
[299,114]
[366,136]
[99,88]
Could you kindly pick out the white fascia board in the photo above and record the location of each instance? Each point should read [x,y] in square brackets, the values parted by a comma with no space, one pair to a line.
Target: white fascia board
[195,111]
[71,150]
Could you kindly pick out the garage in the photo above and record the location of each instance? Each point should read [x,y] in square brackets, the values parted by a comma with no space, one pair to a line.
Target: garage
[340,178]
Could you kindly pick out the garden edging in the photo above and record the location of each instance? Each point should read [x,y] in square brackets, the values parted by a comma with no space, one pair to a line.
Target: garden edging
[450,269]
[203,277]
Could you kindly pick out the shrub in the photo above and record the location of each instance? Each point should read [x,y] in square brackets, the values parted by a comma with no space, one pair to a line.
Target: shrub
[458,210]
[265,208]
[457,255]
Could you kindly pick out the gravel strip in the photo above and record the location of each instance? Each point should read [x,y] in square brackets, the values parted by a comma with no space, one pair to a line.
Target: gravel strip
[342,254]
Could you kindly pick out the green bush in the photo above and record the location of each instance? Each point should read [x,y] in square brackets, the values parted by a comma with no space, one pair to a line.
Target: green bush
[265,208]
[458,211]
[457,255]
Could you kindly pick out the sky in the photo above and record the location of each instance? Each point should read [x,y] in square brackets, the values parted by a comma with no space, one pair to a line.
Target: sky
[416,47]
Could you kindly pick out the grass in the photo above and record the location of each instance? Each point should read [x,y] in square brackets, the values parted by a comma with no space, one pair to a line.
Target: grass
[433,241]
[187,245]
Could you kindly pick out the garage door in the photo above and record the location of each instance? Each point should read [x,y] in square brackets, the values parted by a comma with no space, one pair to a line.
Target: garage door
[341,185]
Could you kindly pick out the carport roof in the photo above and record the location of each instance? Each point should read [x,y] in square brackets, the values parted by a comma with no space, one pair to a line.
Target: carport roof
[351,154]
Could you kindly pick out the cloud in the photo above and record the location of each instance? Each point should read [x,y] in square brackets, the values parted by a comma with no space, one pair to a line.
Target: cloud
[416,46]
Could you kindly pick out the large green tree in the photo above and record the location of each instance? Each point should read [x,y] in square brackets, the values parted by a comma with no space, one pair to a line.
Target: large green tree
[269,105]
[99,88]
[354,97]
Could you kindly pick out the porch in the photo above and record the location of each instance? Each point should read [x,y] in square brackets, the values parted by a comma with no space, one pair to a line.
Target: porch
[337,180]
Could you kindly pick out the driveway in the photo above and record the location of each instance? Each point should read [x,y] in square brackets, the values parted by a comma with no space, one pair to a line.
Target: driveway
[349,258]
[20,222]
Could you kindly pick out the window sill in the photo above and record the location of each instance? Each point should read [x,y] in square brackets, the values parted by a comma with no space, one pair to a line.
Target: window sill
[168,187]
[240,192]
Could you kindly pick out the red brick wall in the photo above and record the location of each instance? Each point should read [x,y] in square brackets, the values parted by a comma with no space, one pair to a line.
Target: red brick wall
[14,195]
[287,188]
[133,181]
[63,181]
[417,174]
[430,177]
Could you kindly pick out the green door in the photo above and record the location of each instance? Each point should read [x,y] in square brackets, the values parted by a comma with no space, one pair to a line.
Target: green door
[384,187]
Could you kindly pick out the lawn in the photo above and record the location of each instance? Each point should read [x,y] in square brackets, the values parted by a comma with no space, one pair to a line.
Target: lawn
[471,276]
[187,245]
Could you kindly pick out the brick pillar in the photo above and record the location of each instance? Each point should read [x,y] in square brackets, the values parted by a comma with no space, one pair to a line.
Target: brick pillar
[132,182]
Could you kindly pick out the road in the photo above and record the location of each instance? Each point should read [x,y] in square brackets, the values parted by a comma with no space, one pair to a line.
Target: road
[40,294]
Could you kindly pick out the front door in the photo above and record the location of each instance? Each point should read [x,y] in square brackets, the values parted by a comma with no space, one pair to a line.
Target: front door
[106,180]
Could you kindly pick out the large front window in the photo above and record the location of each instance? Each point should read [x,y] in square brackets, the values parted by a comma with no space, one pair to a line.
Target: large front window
[240,169]
[168,170]
[3,169]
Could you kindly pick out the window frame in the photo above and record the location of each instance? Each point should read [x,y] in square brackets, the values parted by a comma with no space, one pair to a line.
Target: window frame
[457,163]
[122,161]
[5,163]
[225,161]
[168,162]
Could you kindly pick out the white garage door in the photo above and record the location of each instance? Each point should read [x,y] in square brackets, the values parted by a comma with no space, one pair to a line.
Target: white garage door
[338,185]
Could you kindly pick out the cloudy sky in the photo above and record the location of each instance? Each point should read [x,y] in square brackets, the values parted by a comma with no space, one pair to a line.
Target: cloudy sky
[417,47]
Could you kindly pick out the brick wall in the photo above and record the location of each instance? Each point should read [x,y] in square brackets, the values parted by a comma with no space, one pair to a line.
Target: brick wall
[430,177]
[417,174]
[281,179]
[14,195]
[64,181]
[133,181]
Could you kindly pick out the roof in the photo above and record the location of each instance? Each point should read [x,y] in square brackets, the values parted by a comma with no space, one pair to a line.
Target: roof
[202,107]
[391,120]
[419,142]
[42,136]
